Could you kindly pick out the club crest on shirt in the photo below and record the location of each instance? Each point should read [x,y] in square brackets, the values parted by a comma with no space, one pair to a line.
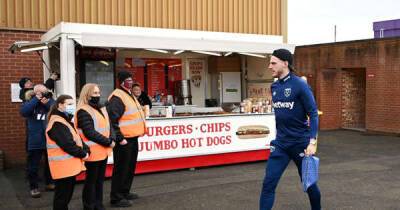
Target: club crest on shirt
[272,148]
[274,93]
[288,91]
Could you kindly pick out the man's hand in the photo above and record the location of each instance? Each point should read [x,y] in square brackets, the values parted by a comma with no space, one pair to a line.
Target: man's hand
[311,148]
[123,142]
[44,100]
[86,157]
[39,96]
[112,145]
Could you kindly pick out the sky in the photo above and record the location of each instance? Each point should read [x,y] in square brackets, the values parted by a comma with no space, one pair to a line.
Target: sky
[313,21]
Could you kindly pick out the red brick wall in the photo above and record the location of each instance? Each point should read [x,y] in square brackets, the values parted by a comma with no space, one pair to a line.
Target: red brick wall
[12,68]
[353,98]
[383,98]
[328,98]
[381,60]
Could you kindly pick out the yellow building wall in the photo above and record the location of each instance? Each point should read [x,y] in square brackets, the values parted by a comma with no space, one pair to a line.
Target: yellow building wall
[268,17]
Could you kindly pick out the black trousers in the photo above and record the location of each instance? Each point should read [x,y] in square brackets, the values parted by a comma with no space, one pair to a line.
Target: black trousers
[34,157]
[125,158]
[63,192]
[92,195]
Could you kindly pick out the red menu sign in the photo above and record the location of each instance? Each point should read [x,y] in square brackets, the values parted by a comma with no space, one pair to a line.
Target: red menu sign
[156,75]
[156,67]
[155,78]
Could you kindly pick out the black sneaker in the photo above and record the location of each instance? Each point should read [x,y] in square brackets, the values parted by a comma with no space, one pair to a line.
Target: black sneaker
[131,196]
[121,204]
[35,193]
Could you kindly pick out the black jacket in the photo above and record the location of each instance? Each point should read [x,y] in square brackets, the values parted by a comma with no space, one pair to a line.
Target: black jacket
[64,139]
[144,99]
[86,123]
[50,84]
[116,109]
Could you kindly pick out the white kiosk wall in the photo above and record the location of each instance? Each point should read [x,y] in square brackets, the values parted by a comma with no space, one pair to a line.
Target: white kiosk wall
[197,77]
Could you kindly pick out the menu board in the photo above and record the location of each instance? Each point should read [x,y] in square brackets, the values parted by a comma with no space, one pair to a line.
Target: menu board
[156,70]
[156,78]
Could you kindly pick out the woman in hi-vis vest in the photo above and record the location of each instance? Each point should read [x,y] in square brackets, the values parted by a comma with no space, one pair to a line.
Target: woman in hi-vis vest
[65,149]
[93,126]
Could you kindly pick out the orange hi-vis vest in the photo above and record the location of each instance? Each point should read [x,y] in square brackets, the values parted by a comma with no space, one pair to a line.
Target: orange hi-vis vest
[102,126]
[132,122]
[62,164]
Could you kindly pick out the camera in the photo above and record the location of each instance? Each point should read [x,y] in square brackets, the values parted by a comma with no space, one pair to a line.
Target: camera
[47,94]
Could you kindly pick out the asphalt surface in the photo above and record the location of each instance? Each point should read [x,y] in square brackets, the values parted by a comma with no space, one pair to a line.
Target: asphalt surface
[358,171]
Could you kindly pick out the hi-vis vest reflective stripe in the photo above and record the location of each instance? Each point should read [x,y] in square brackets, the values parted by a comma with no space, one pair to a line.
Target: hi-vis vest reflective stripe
[62,164]
[132,122]
[102,126]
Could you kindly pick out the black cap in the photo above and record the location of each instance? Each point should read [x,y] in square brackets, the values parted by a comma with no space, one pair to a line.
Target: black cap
[123,75]
[284,55]
[22,81]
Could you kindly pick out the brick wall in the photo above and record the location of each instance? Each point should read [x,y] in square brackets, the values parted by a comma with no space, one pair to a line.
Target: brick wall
[328,98]
[353,98]
[381,60]
[12,68]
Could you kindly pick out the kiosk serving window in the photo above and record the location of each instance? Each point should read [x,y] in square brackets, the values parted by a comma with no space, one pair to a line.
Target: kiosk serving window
[101,73]
[97,66]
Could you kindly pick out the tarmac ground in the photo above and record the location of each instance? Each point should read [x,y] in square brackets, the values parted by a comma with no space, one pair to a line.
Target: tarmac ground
[357,171]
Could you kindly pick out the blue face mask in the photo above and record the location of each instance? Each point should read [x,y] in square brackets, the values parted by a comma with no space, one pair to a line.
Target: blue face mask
[70,109]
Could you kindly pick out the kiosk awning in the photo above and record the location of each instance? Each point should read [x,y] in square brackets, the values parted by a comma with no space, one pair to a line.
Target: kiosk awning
[176,44]
[109,36]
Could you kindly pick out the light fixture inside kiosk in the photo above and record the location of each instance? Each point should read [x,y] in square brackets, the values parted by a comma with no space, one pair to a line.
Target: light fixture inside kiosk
[178,52]
[228,54]
[105,63]
[158,50]
[207,53]
[252,54]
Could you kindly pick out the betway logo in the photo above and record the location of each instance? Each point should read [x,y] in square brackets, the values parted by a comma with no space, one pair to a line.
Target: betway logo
[285,105]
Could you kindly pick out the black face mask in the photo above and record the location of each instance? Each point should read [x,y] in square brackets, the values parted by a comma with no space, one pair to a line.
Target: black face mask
[95,100]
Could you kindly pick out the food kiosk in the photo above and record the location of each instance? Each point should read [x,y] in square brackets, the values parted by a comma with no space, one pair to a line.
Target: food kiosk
[212,124]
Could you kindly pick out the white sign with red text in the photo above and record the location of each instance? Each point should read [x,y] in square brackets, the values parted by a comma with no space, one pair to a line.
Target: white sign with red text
[197,76]
[192,136]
